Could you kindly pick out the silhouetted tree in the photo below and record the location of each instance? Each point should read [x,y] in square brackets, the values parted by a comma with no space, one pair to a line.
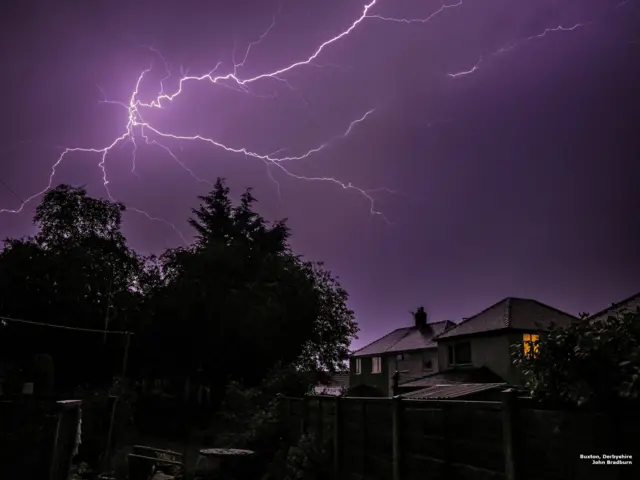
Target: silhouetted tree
[238,302]
[76,271]
[234,305]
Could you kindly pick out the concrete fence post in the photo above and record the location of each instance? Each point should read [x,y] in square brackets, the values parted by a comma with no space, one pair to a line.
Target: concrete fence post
[365,433]
[305,415]
[337,433]
[319,433]
[509,406]
[396,434]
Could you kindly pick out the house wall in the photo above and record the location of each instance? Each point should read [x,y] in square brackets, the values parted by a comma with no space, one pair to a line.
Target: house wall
[377,380]
[492,351]
[411,365]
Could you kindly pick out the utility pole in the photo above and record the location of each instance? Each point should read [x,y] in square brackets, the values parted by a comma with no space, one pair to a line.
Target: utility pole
[115,401]
[106,317]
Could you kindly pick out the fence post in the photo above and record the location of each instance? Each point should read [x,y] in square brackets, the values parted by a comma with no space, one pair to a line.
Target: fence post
[337,432]
[396,413]
[55,449]
[509,405]
[319,434]
[305,414]
[364,470]
[446,438]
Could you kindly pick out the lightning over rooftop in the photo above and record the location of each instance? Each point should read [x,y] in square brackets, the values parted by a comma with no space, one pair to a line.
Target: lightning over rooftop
[402,139]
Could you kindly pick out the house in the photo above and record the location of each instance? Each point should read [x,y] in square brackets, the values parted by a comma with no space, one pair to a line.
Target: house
[485,341]
[628,305]
[409,350]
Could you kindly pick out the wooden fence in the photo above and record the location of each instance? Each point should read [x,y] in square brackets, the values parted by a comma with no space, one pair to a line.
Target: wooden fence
[403,439]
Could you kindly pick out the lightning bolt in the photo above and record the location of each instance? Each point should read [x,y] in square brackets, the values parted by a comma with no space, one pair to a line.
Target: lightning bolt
[418,20]
[515,45]
[138,131]
[466,72]
[137,128]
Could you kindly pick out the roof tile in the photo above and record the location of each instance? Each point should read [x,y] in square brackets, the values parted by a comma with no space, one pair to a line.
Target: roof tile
[628,305]
[405,339]
[512,313]
[452,391]
[455,376]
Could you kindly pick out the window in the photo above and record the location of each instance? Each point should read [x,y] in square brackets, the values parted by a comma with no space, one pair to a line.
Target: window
[376,365]
[530,341]
[400,357]
[358,366]
[460,354]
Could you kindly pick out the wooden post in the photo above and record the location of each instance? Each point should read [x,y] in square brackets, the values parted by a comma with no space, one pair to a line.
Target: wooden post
[305,415]
[337,432]
[509,399]
[53,466]
[446,440]
[78,419]
[396,413]
[319,423]
[364,439]
[107,453]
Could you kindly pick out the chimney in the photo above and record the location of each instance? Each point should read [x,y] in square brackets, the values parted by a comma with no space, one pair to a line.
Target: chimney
[420,317]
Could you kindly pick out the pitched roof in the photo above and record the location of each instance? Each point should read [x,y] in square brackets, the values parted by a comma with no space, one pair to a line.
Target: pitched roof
[452,391]
[511,313]
[627,305]
[405,339]
[455,376]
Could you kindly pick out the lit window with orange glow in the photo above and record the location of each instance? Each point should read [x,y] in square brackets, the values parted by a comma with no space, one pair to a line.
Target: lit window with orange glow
[530,341]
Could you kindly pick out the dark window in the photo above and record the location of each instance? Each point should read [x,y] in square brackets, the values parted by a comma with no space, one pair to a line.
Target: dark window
[460,354]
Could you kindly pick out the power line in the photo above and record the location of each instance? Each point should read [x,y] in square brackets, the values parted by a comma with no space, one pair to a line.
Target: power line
[42,324]
[2,182]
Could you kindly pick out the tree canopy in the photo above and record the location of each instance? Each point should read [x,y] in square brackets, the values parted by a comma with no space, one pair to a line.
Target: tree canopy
[231,306]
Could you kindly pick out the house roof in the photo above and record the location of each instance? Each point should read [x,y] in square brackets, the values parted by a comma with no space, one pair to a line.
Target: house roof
[405,339]
[628,304]
[455,376]
[512,314]
[452,391]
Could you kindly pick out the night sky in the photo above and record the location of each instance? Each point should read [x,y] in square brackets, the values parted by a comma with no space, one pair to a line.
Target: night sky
[518,178]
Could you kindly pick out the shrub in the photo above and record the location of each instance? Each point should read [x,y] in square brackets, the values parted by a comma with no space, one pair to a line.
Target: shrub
[250,417]
[304,460]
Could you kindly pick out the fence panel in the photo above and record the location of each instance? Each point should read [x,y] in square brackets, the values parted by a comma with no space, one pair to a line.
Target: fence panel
[353,435]
[550,443]
[442,440]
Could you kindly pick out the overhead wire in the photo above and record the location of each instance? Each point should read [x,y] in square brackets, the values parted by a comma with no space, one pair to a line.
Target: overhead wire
[64,327]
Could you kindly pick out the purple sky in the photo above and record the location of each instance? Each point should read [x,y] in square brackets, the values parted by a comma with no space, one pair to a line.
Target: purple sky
[517,179]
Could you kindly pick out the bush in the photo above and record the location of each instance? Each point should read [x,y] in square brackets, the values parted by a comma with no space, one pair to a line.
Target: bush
[250,417]
[588,363]
[304,460]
